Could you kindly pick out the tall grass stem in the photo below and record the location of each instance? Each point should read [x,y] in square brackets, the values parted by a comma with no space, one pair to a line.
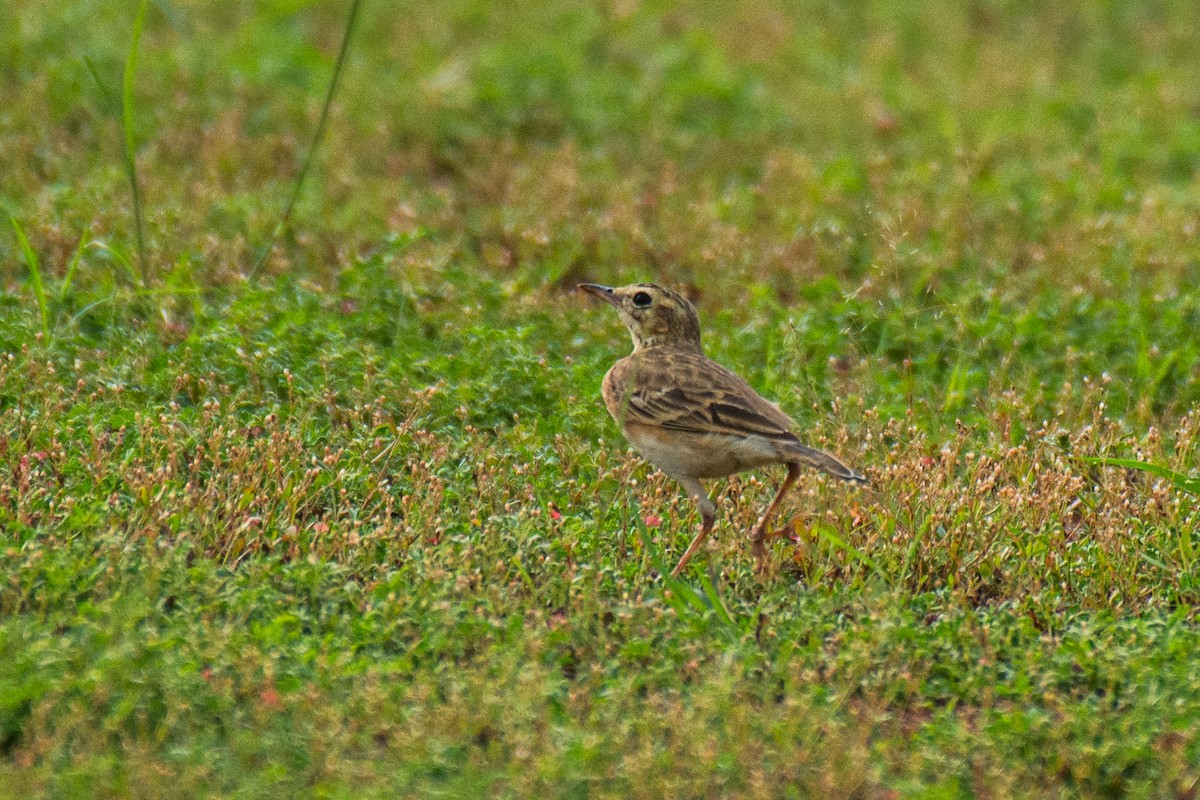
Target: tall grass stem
[1178,479]
[318,135]
[35,273]
[127,110]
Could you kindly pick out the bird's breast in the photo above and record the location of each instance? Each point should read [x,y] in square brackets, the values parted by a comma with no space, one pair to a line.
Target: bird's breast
[613,389]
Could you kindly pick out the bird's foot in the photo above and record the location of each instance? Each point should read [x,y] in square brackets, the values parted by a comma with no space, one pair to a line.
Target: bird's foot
[758,542]
[758,548]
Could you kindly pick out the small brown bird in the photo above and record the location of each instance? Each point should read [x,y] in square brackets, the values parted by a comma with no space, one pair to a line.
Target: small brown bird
[691,417]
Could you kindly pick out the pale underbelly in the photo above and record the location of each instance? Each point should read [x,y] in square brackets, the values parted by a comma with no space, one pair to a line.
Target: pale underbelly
[701,455]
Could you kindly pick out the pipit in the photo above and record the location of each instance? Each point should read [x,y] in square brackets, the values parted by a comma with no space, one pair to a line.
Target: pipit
[691,417]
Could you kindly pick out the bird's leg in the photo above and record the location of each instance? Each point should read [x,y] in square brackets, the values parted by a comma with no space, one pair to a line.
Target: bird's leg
[706,525]
[708,515]
[759,535]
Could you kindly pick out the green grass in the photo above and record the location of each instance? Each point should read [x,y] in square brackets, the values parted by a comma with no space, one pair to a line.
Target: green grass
[128,109]
[362,527]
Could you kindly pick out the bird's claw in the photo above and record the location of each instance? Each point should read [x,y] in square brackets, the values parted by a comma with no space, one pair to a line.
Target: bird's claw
[759,539]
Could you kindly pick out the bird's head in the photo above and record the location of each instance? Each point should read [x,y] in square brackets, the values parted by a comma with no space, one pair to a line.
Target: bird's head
[655,316]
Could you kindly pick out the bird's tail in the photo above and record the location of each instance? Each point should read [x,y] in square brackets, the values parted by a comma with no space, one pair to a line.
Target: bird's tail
[821,460]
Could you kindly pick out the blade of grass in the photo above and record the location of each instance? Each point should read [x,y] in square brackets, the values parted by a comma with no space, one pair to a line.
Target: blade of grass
[687,602]
[119,257]
[71,266]
[1181,481]
[838,542]
[651,550]
[115,296]
[127,121]
[318,135]
[83,311]
[708,584]
[109,99]
[35,273]
[913,548]
[679,595]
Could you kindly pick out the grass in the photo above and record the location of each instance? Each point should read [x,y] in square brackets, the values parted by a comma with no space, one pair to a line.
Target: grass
[362,527]
[318,135]
[35,272]
[127,113]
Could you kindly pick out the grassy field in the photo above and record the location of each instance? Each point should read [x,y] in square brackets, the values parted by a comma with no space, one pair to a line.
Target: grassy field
[358,526]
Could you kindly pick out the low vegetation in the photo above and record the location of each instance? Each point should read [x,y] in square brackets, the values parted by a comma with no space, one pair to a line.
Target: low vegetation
[360,526]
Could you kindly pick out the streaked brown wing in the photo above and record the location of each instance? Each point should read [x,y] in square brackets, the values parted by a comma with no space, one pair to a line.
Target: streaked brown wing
[688,392]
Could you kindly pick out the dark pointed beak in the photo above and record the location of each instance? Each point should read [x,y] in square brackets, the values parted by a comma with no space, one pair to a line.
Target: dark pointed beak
[605,293]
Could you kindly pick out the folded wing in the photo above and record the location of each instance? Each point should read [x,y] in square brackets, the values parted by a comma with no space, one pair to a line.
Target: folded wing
[703,397]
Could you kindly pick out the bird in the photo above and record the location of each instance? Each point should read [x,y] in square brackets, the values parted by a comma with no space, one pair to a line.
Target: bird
[691,417]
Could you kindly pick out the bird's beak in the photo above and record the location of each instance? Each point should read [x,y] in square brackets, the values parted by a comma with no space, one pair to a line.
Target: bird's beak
[605,293]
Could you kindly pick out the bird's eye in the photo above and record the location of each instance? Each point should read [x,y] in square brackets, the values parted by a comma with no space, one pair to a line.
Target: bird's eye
[641,299]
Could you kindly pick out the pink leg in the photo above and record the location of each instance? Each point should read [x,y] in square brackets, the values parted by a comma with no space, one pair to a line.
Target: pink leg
[759,534]
[706,526]
[708,515]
